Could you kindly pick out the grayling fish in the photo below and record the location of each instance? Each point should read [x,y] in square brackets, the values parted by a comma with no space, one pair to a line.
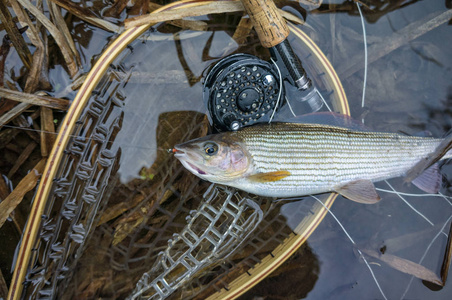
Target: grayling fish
[293,159]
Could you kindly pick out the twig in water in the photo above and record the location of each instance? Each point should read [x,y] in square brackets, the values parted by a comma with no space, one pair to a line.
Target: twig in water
[353,242]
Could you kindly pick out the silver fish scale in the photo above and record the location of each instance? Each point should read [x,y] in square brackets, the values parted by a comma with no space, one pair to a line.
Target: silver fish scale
[320,157]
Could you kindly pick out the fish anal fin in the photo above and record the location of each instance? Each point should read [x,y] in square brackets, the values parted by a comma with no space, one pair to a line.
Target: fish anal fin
[430,180]
[362,191]
[269,176]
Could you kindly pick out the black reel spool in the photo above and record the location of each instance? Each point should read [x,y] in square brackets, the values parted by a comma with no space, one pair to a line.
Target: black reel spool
[241,90]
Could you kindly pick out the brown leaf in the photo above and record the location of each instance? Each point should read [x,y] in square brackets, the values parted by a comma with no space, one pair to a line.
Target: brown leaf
[406,266]
[24,186]
[447,257]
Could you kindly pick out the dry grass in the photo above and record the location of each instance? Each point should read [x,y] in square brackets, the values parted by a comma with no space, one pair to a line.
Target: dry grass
[29,117]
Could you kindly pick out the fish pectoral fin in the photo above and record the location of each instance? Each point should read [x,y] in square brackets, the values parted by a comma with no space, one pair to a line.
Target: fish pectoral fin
[362,191]
[430,180]
[269,176]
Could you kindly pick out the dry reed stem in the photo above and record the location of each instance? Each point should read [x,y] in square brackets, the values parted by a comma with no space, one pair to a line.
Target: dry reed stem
[24,186]
[57,17]
[56,34]
[4,190]
[33,99]
[242,31]
[47,131]
[25,20]
[14,35]
[87,16]
[184,24]
[210,7]
[3,287]
[22,158]
[12,113]
[395,41]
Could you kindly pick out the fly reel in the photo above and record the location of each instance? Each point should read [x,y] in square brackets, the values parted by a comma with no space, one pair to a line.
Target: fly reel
[241,90]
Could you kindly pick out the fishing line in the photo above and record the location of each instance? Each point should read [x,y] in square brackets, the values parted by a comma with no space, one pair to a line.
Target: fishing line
[425,254]
[365,57]
[280,89]
[324,101]
[439,195]
[447,198]
[407,203]
[290,107]
[89,139]
[393,190]
[353,242]
[348,236]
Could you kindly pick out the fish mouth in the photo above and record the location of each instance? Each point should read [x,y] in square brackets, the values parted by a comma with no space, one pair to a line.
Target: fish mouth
[183,157]
[179,153]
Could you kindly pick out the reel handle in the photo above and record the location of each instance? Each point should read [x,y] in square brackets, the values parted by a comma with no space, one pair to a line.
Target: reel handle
[268,23]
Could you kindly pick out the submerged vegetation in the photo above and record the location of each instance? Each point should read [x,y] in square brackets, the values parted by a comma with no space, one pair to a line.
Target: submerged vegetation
[48,47]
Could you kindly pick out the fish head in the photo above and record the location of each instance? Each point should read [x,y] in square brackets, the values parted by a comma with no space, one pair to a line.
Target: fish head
[219,158]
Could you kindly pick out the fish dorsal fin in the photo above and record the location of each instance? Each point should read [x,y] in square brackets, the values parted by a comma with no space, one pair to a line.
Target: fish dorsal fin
[430,180]
[330,119]
[362,191]
[269,176]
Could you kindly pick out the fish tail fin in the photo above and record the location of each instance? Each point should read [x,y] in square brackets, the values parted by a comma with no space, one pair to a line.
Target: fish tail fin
[443,151]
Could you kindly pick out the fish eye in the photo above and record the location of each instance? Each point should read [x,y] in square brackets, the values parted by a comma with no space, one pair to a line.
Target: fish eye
[211,148]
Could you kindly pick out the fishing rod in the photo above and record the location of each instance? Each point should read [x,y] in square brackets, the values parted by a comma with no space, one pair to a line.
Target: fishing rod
[242,89]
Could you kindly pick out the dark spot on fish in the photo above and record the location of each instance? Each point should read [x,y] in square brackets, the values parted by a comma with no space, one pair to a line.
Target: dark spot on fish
[383,249]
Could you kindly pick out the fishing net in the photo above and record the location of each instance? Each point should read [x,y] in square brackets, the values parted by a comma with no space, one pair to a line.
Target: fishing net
[125,220]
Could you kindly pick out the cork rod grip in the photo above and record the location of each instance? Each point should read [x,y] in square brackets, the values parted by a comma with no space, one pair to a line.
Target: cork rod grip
[268,23]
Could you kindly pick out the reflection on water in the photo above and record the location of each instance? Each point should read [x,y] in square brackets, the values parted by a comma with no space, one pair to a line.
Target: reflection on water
[155,93]
[407,90]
